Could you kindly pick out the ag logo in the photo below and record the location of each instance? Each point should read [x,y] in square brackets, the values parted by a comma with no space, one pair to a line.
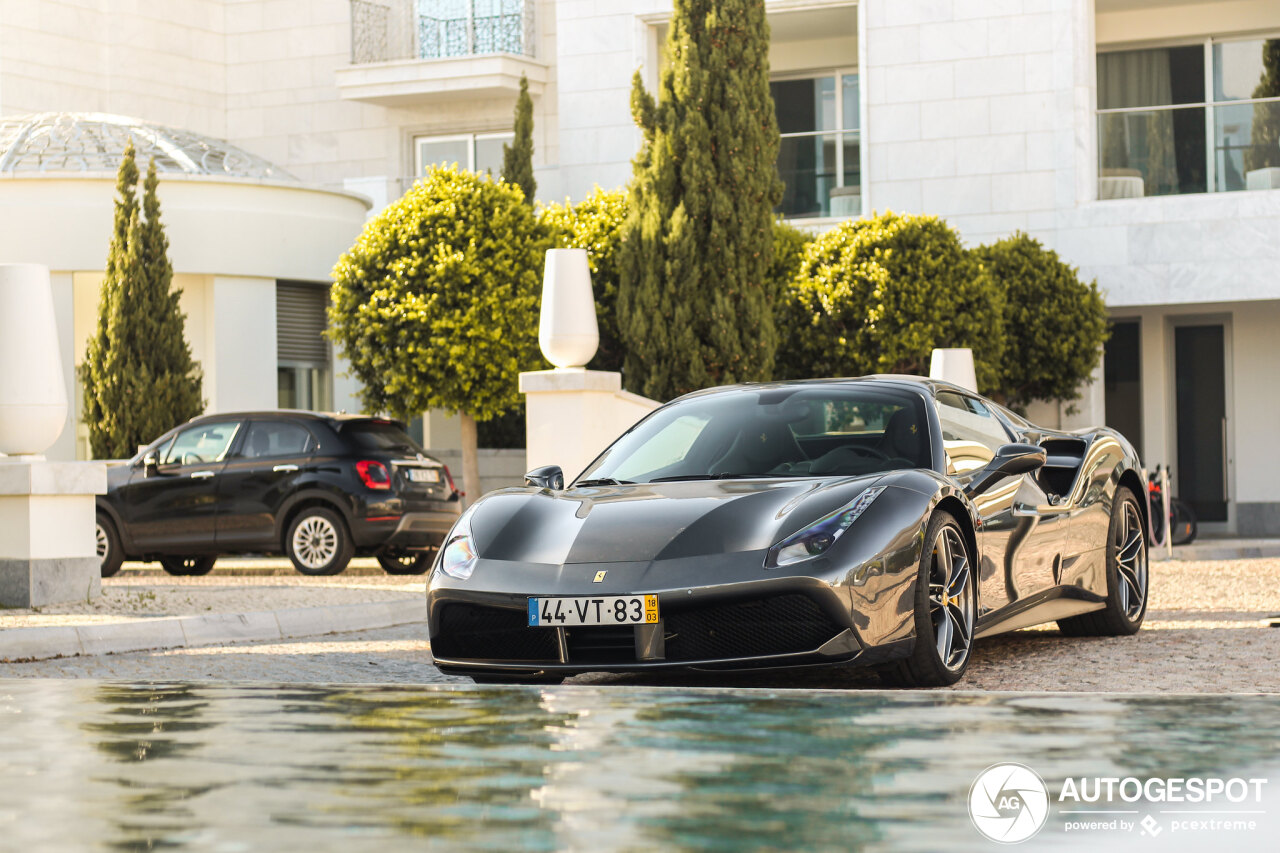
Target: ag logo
[1008,803]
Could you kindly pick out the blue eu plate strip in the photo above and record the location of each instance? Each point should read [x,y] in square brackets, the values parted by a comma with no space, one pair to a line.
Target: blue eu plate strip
[533,612]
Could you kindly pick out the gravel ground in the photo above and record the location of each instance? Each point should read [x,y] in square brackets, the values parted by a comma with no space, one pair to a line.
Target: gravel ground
[1205,633]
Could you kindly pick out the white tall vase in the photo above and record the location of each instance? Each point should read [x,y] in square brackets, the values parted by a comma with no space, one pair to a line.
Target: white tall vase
[33,398]
[567,332]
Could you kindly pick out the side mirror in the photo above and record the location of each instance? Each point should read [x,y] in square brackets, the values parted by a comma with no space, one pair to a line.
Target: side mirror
[149,465]
[546,477]
[1010,461]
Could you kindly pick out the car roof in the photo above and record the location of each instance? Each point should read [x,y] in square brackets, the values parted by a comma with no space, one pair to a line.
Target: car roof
[918,384]
[301,414]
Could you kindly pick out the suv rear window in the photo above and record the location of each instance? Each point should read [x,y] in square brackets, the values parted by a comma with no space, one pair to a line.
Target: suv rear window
[380,435]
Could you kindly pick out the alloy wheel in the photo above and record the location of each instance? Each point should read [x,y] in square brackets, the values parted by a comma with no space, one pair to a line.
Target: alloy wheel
[951,598]
[315,542]
[102,543]
[1131,562]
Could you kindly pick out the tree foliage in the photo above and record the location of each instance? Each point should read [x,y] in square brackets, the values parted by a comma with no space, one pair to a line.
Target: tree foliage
[1264,142]
[878,295]
[789,244]
[517,158]
[138,376]
[1055,324]
[693,305]
[436,304]
[595,224]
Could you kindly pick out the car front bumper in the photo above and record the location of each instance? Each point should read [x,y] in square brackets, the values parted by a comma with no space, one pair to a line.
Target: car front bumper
[767,623]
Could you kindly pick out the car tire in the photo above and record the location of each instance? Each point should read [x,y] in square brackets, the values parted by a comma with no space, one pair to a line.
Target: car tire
[317,542]
[188,566]
[110,551]
[405,562]
[1127,576]
[946,609]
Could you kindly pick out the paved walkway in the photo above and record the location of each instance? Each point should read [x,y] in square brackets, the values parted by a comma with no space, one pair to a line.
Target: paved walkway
[143,608]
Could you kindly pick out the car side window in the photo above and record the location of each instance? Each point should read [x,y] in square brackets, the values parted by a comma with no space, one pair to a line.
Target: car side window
[206,442]
[275,438]
[971,434]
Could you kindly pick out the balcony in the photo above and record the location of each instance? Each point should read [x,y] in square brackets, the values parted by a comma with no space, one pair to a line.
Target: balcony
[406,52]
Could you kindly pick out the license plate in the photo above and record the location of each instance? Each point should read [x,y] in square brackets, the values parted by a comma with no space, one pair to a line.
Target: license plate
[424,475]
[606,610]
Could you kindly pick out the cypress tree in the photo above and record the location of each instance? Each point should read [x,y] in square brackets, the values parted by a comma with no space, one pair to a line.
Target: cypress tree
[138,375]
[517,158]
[694,299]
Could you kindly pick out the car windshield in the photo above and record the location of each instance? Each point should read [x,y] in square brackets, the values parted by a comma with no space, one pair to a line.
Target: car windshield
[804,431]
[380,435]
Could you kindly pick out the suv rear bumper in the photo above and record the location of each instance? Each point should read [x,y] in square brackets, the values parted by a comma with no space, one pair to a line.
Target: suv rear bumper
[411,531]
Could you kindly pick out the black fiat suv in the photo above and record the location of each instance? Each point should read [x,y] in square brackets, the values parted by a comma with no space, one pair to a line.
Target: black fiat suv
[319,488]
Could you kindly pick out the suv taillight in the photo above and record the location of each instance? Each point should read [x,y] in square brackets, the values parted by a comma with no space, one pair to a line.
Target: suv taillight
[373,474]
[448,478]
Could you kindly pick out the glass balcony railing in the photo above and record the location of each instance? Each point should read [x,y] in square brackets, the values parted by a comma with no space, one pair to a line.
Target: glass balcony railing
[386,30]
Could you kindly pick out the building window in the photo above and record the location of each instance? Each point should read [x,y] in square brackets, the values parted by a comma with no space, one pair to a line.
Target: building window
[385,30]
[474,27]
[818,160]
[479,152]
[1159,133]
[304,377]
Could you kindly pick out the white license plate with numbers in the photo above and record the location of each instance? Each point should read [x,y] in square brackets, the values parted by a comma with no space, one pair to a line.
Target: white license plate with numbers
[605,610]
[424,475]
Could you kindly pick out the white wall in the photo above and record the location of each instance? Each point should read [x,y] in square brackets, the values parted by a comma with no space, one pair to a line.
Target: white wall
[979,111]
[240,364]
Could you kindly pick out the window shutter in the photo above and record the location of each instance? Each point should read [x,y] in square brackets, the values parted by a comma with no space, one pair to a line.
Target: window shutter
[300,323]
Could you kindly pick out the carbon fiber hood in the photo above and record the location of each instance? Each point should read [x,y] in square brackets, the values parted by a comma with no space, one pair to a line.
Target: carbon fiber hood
[657,521]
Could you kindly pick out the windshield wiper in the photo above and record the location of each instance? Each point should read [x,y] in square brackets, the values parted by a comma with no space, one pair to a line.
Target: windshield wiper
[604,481]
[677,477]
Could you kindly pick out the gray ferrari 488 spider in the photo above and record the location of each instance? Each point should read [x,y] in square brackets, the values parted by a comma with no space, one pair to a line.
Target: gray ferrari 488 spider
[886,522]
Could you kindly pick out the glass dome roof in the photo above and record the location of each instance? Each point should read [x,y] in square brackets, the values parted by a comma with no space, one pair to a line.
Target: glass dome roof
[94,143]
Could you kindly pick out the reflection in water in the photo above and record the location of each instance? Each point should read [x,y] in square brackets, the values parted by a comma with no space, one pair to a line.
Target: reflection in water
[97,766]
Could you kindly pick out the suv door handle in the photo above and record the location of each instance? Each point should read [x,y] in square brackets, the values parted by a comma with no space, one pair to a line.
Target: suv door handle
[201,475]
[280,468]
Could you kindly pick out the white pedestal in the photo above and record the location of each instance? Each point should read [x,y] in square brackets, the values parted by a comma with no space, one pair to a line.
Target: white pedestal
[48,553]
[573,414]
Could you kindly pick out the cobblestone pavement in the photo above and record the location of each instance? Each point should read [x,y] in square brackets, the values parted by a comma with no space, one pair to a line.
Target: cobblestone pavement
[1205,634]
[1197,660]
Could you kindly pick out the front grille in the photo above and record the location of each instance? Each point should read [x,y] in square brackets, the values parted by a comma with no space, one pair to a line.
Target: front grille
[777,625]
[605,644]
[471,632]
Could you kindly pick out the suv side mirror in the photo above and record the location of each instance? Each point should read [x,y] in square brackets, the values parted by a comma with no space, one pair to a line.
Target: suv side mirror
[149,465]
[1010,461]
[546,477]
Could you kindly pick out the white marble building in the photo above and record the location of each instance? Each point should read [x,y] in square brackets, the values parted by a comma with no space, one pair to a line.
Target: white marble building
[1130,135]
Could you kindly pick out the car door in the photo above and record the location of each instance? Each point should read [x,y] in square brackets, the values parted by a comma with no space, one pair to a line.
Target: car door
[1021,533]
[173,507]
[258,478]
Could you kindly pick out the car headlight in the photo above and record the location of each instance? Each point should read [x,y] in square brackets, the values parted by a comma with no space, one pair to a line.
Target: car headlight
[458,556]
[818,537]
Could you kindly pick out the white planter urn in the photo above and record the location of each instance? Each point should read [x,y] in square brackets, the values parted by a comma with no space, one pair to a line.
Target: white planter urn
[567,332]
[33,398]
[955,366]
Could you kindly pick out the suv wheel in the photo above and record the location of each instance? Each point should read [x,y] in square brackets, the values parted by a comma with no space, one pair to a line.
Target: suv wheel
[188,566]
[405,562]
[318,542]
[110,554]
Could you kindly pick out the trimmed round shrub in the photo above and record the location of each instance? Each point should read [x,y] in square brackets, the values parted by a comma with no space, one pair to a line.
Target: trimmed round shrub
[878,295]
[1055,324]
[436,304]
